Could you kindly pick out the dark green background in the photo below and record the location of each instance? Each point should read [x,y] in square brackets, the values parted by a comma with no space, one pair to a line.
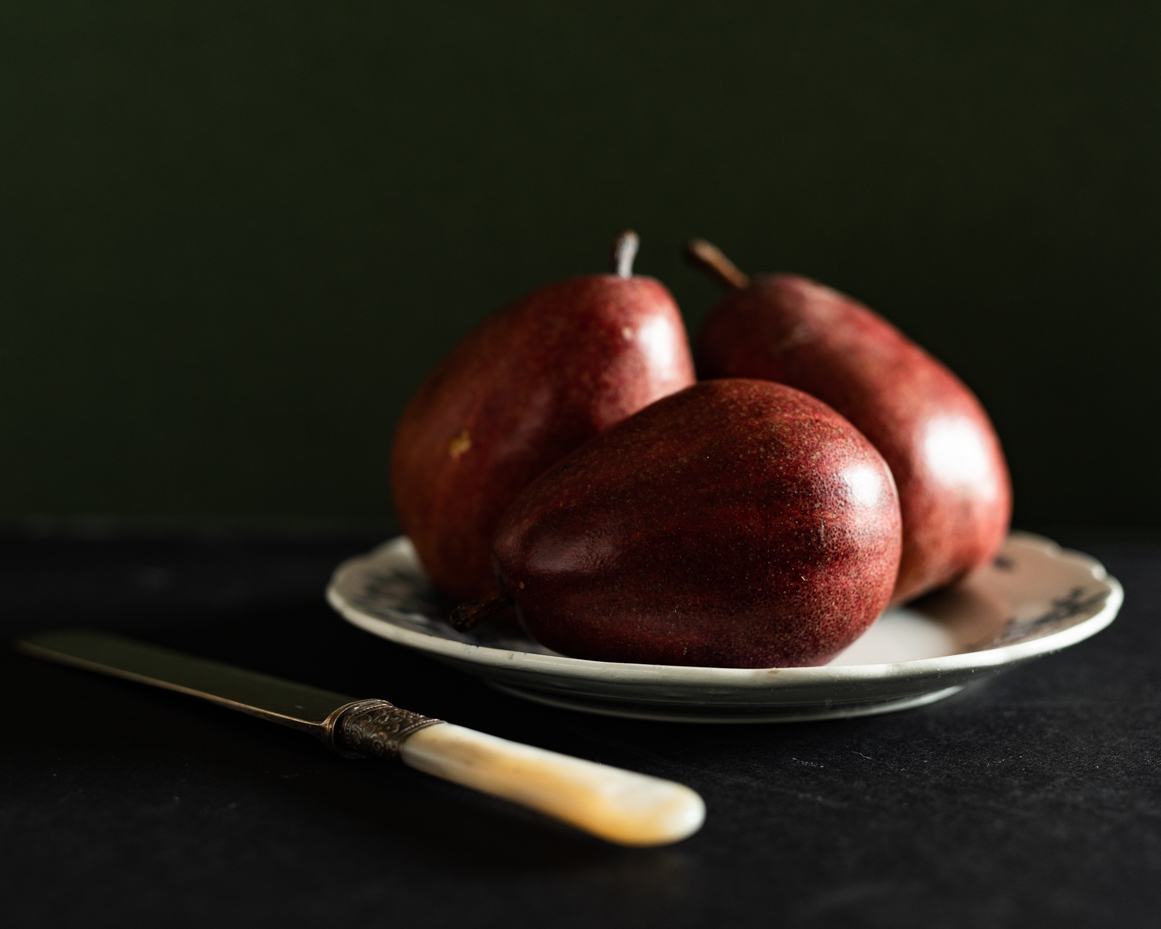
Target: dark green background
[235,236]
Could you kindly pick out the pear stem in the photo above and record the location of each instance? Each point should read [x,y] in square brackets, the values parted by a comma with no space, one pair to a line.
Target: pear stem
[467,616]
[624,251]
[707,257]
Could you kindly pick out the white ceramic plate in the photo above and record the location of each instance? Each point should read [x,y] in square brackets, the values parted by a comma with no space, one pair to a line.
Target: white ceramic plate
[1035,598]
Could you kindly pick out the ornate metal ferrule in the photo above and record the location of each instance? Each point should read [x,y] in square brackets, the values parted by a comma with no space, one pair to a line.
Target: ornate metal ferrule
[373,729]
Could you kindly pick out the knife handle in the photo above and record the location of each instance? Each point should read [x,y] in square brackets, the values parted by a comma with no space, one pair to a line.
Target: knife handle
[617,805]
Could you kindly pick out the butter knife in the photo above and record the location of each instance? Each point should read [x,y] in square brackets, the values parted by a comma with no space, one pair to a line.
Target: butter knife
[619,806]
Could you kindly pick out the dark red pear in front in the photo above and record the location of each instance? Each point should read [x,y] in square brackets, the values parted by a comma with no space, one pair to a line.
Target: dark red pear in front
[526,387]
[953,482]
[738,523]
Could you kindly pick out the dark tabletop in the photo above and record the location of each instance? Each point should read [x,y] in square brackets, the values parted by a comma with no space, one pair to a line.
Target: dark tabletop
[1031,799]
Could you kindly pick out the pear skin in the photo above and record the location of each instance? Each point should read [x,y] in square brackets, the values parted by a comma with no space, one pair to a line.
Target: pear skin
[738,523]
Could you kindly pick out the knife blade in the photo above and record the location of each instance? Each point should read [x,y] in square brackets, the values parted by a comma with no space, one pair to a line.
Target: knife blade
[620,806]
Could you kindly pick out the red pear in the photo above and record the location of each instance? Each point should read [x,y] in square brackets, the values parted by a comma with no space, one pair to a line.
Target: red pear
[953,481]
[738,523]
[526,387]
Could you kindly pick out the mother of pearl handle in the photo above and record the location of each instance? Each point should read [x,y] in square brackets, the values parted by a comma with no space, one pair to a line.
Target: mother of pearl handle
[617,805]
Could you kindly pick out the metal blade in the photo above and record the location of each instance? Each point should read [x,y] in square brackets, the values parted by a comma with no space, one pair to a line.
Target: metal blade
[270,698]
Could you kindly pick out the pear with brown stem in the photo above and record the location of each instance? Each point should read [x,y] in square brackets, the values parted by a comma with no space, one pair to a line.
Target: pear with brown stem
[953,481]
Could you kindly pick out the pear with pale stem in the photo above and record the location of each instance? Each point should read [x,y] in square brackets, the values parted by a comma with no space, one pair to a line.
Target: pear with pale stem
[522,390]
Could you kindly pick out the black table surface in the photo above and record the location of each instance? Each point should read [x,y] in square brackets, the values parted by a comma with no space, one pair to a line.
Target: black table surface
[1030,799]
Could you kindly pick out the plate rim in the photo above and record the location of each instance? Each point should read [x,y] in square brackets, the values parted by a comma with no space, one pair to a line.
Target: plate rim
[736,678]
[758,713]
